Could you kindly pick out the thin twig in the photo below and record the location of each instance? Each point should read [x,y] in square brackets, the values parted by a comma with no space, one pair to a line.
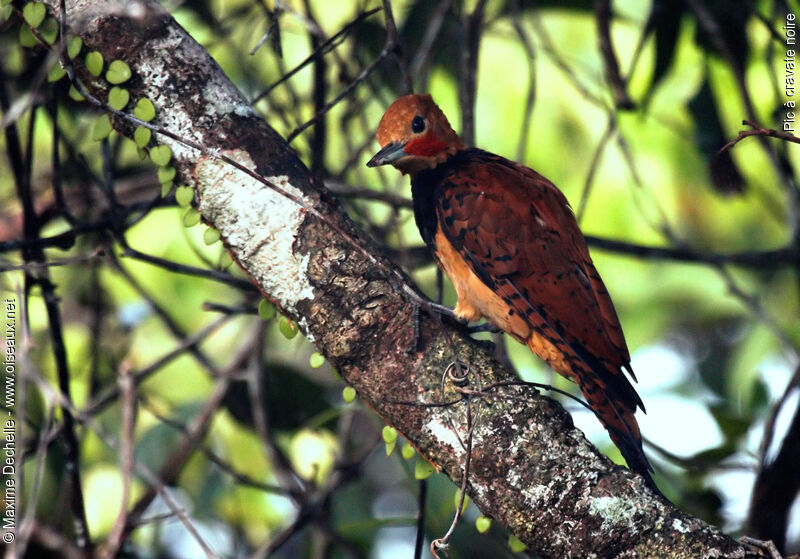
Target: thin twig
[602,11]
[758,130]
[128,409]
[443,542]
[393,43]
[321,49]
[469,72]
[421,499]
[595,164]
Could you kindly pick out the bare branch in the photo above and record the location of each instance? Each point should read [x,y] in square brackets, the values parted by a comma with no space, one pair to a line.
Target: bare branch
[758,130]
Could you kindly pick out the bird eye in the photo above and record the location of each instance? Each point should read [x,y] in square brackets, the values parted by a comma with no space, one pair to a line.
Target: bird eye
[418,124]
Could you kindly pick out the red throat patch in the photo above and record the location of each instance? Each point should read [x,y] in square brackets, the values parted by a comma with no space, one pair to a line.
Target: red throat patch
[426,146]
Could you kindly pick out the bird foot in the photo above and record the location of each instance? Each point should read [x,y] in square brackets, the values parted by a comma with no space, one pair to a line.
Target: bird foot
[464,325]
[764,545]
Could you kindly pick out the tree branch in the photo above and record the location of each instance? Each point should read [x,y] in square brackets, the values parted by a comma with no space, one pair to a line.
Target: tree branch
[530,468]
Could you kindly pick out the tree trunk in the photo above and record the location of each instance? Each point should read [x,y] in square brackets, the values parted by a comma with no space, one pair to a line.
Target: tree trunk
[530,468]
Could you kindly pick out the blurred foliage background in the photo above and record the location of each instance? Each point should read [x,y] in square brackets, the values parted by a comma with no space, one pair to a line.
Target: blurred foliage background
[285,467]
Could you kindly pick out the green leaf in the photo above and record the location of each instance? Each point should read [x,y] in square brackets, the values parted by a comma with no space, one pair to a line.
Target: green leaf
[225,260]
[161,155]
[516,544]
[74,46]
[389,434]
[191,217]
[423,469]
[316,360]
[166,188]
[142,155]
[165,174]
[34,13]
[49,30]
[390,446]
[287,328]
[102,128]
[142,136]
[266,310]
[118,98]
[349,394]
[74,94]
[408,451]
[457,498]
[56,73]
[144,110]
[210,236]
[482,524]
[94,63]
[184,196]
[118,72]
[26,38]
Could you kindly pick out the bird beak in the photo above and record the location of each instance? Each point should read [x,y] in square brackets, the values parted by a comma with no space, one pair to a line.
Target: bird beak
[389,153]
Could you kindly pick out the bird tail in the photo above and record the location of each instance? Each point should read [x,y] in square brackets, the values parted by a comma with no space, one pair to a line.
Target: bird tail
[622,427]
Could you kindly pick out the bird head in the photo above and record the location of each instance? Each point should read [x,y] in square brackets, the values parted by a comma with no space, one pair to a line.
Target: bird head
[414,135]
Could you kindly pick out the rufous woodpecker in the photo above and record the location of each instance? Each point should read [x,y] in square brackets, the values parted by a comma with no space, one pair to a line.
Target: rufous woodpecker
[509,242]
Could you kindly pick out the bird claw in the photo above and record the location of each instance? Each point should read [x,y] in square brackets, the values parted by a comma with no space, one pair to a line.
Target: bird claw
[764,545]
[462,323]
[485,327]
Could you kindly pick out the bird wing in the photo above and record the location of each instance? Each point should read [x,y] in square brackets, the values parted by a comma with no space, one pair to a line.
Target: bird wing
[517,233]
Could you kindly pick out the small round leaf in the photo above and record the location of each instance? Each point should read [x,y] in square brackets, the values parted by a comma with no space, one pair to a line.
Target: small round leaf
[390,447]
[26,38]
[102,128]
[423,469]
[118,72]
[34,13]
[287,328]
[408,451]
[482,524]
[266,310]
[516,544]
[56,73]
[316,360]
[184,196]
[74,46]
[349,394]
[49,30]
[389,434]
[225,260]
[210,236]
[144,110]
[118,98]
[161,155]
[165,174]
[142,137]
[191,217]
[74,94]
[457,498]
[94,63]
[166,188]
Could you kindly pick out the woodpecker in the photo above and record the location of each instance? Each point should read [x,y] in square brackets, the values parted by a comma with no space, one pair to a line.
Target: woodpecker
[508,240]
